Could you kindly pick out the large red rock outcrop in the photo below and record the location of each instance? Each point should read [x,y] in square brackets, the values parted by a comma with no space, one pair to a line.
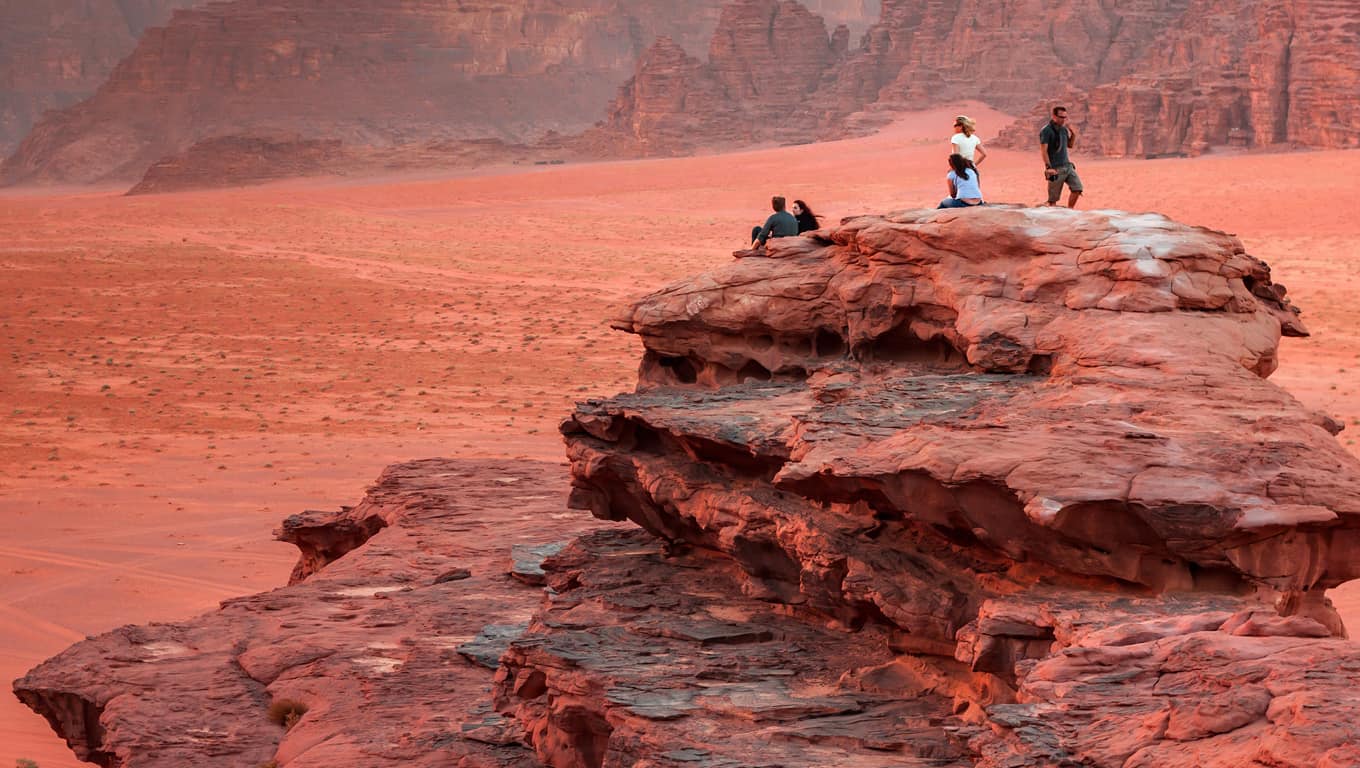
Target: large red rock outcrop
[765,62]
[1012,436]
[1007,54]
[1002,488]
[366,72]
[1231,74]
[56,52]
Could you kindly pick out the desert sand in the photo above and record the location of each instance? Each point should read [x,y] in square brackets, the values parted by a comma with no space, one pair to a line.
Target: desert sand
[183,371]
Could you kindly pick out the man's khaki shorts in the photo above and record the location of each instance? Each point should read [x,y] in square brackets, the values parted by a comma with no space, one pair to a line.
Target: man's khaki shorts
[1067,174]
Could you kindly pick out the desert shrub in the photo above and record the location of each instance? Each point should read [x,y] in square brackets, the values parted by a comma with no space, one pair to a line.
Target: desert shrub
[286,712]
[24,762]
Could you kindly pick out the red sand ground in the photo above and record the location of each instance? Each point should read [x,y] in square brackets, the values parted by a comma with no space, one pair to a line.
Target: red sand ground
[180,372]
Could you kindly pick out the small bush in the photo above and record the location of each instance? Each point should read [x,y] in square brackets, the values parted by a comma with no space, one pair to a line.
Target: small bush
[24,762]
[286,712]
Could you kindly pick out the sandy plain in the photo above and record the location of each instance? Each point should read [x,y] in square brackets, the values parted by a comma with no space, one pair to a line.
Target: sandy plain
[179,372]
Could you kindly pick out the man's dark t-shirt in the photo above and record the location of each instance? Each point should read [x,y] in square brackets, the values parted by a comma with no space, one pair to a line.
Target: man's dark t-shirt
[1055,136]
[781,224]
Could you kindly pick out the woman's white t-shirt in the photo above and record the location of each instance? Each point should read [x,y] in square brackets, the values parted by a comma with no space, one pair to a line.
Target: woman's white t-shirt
[964,145]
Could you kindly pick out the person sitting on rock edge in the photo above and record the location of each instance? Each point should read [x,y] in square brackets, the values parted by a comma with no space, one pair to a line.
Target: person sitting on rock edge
[781,223]
[965,189]
[807,220]
[965,141]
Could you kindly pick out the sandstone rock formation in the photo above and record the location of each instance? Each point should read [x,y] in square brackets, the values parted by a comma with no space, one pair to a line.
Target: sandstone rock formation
[1009,55]
[1004,488]
[1153,77]
[1033,442]
[57,52]
[765,62]
[234,160]
[396,604]
[366,72]
[1231,74]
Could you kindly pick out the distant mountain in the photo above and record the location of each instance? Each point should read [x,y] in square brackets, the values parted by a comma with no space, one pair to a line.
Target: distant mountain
[369,72]
[54,53]
[487,80]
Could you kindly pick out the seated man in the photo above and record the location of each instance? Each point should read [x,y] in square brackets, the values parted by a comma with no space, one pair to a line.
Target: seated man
[780,224]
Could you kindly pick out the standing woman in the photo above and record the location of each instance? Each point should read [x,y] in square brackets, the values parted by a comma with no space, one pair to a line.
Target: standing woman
[965,141]
[962,179]
[807,220]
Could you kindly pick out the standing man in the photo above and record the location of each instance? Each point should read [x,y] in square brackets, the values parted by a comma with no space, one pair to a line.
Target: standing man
[1054,141]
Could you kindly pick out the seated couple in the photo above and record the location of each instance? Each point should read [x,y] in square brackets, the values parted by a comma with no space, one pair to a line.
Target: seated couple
[784,224]
[965,189]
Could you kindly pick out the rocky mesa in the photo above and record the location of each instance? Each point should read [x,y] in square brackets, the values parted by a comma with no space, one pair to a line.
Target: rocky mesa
[1000,487]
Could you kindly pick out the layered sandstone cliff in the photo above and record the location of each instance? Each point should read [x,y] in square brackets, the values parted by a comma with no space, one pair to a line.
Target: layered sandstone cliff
[1009,55]
[57,52]
[992,488]
[1151,77]
[765,63]
[1232,74]
[366,72]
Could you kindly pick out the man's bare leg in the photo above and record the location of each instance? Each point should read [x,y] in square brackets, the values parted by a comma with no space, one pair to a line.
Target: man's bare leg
[1072,199]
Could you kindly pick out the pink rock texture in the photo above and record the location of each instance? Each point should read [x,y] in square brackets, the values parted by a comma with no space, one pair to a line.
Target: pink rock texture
[1229,74]
[397,606]
[57,52]
[999,487]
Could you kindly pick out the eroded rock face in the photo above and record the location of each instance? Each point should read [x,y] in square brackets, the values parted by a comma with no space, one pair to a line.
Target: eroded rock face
[641,657]
[1016,54]
[365,72]
[383,636]
[1230,74]
[1142,77]
[1035,443]
[57,52]
[905,416]
[766,61]
[1008,54]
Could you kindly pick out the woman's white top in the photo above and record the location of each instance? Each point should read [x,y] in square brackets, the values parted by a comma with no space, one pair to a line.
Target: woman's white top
[964,145]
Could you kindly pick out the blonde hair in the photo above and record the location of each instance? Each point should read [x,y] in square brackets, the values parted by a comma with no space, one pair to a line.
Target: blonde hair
[969,127]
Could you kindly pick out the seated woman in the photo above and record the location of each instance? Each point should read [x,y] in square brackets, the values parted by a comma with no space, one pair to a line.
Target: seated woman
[807,220]
[965,190]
